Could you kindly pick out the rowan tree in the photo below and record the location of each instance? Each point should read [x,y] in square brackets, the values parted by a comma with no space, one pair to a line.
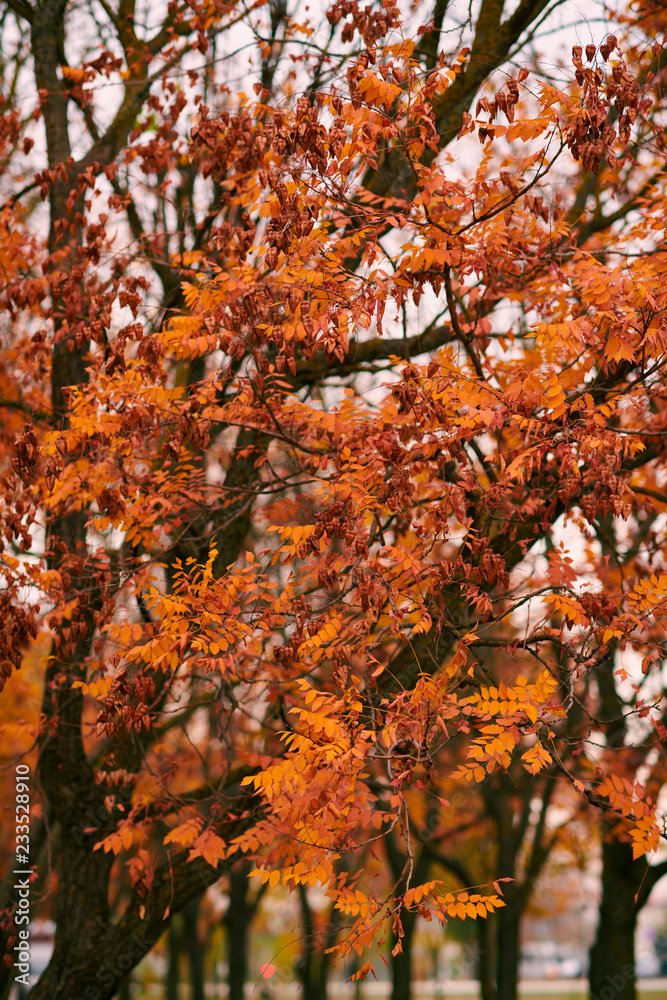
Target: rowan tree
[306,400]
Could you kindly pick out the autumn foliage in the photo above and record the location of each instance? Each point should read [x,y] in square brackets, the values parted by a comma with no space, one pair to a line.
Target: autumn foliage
[334,423]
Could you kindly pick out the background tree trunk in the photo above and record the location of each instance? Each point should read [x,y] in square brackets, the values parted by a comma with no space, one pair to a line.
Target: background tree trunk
[125,992]
[485,960]
[173,958]
[401,964]
[237,920]
[194,948]
[309,977]
[237,925]
[626,886]
[612,956]
[508,927]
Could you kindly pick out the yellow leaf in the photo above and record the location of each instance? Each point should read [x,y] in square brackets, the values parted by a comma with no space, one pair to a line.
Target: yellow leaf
[210,847]
[536,758]
[184,834]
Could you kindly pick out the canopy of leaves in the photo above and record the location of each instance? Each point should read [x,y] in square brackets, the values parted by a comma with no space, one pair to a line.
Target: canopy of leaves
[334,440]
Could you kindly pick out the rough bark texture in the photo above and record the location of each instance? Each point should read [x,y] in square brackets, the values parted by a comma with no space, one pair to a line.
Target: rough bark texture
[77,966]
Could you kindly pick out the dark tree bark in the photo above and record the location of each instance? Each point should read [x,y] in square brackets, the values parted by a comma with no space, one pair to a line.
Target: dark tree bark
[237,920]
[309,983]
[401,962]
[316,962]
[194,948]
[493,41]
[486,939]
[325,957]
[125,991]
[626,882]
[485,959]
[613,953]
[81,963]
[173,959]
[626,886]
[507,947]
[237,924]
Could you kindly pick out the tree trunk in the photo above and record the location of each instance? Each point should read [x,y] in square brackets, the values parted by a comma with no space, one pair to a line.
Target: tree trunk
[125,993]
[237,942]
[612,970]
[237,922]
[194,949]
[485,962]
[401,964]
[612,957]
[309,983]
[82,915]
[173,959]
[316,960]
[513,832]
[508,926]
[330,936]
